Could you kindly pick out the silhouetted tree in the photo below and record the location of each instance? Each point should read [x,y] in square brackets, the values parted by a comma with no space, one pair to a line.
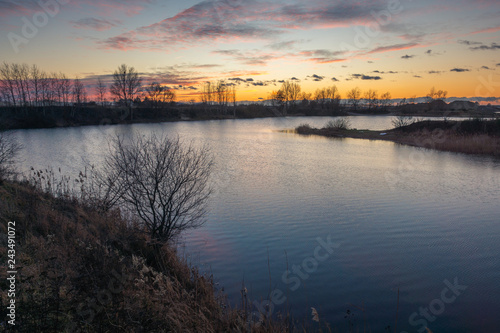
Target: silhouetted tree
[385,100]
[101,90]
[159,95]
[354,96]
[161,181]
[79,93]
[371,98]
[125,86]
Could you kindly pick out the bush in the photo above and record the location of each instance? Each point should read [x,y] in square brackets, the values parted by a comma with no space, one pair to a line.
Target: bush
[402,121]
[161,181]
[303,128]
[342,123]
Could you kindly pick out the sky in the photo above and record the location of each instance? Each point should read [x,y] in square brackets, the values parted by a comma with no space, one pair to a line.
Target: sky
[404,47]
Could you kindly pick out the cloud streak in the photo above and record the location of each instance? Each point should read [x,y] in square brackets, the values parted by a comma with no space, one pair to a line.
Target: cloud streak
[222,21]
[366,77]
[493,46]
[95,24]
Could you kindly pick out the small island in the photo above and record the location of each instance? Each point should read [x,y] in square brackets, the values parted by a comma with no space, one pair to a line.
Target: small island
[473,136]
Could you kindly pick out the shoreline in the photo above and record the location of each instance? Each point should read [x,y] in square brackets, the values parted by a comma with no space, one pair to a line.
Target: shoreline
[60,117]
[425,136]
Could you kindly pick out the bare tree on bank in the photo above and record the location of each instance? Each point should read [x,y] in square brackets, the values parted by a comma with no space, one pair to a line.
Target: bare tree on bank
[79,93]
[36,76]
[126,84]
[8,83]
[436,94]
[354,96]
[371,98]
[161,181]
[207,93]
[159,95]
[101,90]
[8,151]
[288,94]
[233,98]
[385,101]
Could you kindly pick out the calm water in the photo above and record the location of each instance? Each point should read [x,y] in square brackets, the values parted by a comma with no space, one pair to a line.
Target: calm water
[400,217]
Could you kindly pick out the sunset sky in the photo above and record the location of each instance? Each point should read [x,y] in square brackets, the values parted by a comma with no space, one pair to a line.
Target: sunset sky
[404,47]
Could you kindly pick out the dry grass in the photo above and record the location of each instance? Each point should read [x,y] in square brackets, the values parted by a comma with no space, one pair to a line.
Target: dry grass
[469,137]
[80,270]
[449,141]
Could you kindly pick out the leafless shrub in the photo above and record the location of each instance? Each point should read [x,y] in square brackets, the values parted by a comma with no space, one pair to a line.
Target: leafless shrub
[402,121]
[163,182]
[341,123]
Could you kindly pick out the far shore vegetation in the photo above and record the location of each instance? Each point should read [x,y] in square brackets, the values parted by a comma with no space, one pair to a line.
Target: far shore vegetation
[33,98]
[471,136]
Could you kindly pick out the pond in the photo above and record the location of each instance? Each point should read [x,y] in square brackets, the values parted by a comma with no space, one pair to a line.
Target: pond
[334,224]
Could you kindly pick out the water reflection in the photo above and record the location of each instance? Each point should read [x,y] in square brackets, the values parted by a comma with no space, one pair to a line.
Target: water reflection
[405,217]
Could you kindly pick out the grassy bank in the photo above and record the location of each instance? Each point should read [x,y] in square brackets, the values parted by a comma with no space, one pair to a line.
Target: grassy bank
[81,270]
[474,136]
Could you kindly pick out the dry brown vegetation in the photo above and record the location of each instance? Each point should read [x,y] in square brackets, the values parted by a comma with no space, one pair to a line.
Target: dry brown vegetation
[80,270]
[474,136]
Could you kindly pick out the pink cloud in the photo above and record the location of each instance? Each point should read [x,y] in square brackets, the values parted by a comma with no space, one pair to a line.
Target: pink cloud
[397,47]
[108,8]
[215,21]
[95,24]
[487,30]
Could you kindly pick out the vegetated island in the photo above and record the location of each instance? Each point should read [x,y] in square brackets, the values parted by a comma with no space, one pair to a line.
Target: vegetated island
[473,136]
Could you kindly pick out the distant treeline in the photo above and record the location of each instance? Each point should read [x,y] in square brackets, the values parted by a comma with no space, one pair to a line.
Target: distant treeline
[33,98]
[22,85]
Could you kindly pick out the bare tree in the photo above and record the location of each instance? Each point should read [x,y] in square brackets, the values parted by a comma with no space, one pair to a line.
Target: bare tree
[294,92]
[333,95]
[8,151]
[35,78]
[289,93]
[167,95]
[153,93]
[402,121]
[320,96]
[354,95]
[101,91]
[441,94]
[161,181]
[232,93]
[79,93]
[8,84]
[385,100]
[207,93]
[223,94]
[159,95]
[63,87]
[305,99]
[431,95]
[126,84]
[21,77]
[371,98]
